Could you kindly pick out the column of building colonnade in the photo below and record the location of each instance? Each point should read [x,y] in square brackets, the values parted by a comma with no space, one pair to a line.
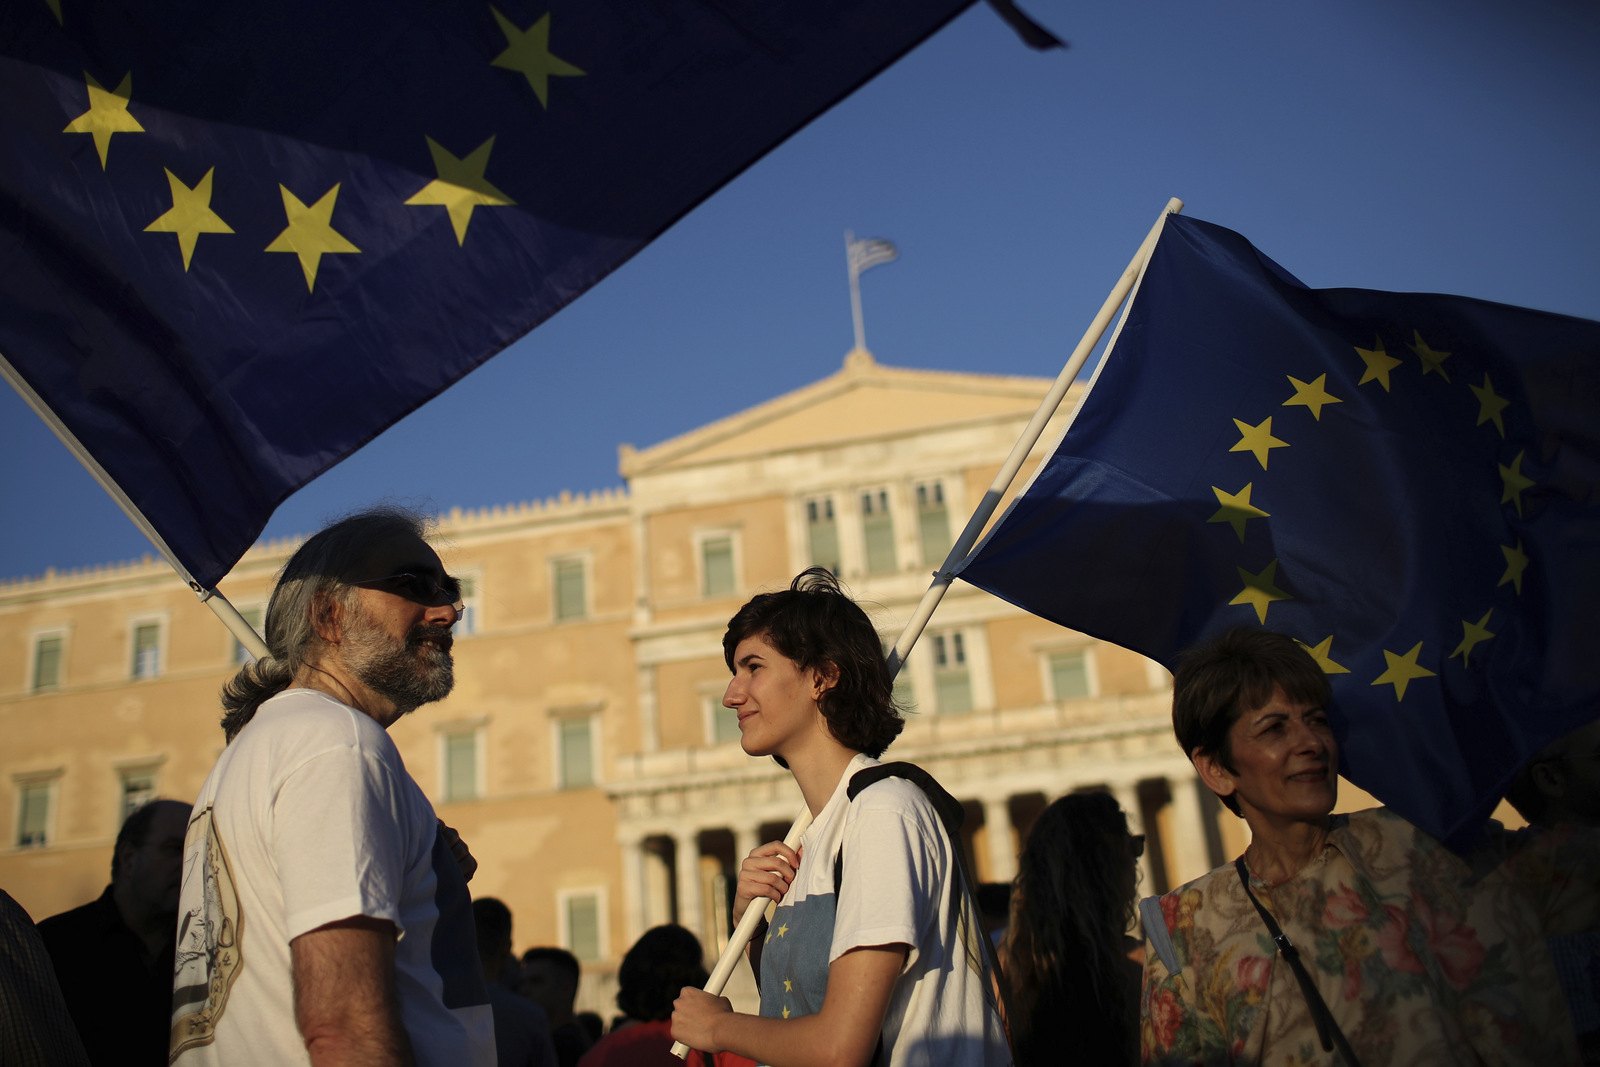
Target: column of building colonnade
[657,888]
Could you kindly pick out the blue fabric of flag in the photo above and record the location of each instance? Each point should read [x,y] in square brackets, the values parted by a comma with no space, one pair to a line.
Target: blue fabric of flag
[238,240]
[1408,484]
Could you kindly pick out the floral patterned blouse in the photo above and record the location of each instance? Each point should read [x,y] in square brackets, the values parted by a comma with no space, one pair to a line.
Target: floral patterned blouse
[1423,957]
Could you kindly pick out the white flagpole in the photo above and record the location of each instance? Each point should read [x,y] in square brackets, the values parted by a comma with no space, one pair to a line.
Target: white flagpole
[969,537]
[236,624]
[855,291]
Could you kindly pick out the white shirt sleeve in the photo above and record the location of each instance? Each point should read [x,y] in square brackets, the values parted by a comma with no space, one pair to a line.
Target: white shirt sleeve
[896,864]
[337,837]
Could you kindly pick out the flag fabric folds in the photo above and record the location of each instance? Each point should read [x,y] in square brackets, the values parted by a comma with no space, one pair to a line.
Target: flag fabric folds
[869,252]
[238,240]
[1408,484]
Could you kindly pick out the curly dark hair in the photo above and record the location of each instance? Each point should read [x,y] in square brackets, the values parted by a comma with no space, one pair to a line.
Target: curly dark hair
[656,969]
[815,624]
[1064,955]
[1236,671]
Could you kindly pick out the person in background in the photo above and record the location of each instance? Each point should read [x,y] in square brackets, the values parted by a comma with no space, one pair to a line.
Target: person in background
[35,1027]
[659,964]
[113,956]
[593,1025]
[1403,952]
[1066,953]
[1560,787]
[550,979]
[521,1031]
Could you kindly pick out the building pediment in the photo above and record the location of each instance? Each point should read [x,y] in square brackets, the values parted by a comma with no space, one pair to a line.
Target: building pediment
[863,400]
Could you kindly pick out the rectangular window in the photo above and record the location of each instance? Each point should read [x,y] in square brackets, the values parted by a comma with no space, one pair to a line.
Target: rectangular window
[933,523]
[583,926]
[724,722]
[254,616]
[716,558]
[1069,675]
[33,817]
[577,753]
[952,682]
[822,534]
[461,765]
[138,789]
[47,654]
[146,649]
[468,623]
[877,530]
[571,597]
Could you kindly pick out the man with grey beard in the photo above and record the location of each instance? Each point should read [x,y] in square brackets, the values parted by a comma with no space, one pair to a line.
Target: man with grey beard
[325,917]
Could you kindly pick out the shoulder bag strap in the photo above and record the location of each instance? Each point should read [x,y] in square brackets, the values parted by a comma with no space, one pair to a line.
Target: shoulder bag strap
[1327,1027]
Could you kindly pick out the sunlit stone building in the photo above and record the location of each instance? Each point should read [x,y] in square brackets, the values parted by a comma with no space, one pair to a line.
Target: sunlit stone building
[585,753]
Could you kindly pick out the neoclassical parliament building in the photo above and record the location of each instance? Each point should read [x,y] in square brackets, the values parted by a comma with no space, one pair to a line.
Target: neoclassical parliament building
[585,753]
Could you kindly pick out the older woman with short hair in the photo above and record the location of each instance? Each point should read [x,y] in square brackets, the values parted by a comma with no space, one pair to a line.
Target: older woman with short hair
[1352,938]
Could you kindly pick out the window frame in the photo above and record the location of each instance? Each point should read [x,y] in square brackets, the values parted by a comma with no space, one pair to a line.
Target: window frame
[480,757]
[1091,674]
[886,495]
[134,768]
[735,551]
[591,713]
[585,562]
[160,620]
[710,706]
[601,895]
[474,604]
[51,781]
[238,654]
[831,500]
[35,638]
[938,485]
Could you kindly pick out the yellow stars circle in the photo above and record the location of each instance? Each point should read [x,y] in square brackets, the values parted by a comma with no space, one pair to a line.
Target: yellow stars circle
[1236,509]
[1514,482]
[1313,395]
[1259,591]
[1379,364]
[190,214]
[1322,652]
[310,233]
[1516,563]
[1402,671]
[1472,635]
[460,186]
[107,114]
[528,53]
[1490,405]
[1432,361]
[1257,440]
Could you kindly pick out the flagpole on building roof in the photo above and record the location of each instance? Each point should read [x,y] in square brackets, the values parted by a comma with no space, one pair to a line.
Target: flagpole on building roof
[242,631]
[855,291]
[969,536]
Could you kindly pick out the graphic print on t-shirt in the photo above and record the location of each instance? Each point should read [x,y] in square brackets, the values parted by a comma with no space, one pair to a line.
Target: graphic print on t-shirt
[208,957]
[794,957]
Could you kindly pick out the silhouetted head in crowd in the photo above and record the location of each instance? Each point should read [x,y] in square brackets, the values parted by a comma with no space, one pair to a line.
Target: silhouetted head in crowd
[550,979]
[656,969]
[368,595]
[1239,671]
[493,922]
[820,629]
[147,868]
[1561,784]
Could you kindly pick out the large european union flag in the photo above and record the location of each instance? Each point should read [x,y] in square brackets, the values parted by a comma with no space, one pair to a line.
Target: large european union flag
[1408,484]
[239,239]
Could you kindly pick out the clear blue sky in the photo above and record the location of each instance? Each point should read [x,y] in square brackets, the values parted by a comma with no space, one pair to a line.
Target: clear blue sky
[1424,145]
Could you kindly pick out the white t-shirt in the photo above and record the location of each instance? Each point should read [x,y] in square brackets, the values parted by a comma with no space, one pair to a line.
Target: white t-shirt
[898,887]
[309,817]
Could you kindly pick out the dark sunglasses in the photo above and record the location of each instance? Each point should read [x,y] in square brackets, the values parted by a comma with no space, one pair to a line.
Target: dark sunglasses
[421,589]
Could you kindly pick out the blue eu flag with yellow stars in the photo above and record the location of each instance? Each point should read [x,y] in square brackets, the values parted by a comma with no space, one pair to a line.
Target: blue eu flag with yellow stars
[239,239]
[1408,484]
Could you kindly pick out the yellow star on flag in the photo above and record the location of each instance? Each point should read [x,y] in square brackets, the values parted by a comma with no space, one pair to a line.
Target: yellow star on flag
[1322,652]
[1379,363]
[310,233]
[1257,439]
[460,186]
[1489,405]
[528,53]
[1472,634]
[788,987]
[55,9]
[1432,362]
[190,214]
[1516,563]
[1258,591]
[1514,482]
[1402,670]
[785,1012]
[1313,395]
[1236,509]
[783,929]
[107,114]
